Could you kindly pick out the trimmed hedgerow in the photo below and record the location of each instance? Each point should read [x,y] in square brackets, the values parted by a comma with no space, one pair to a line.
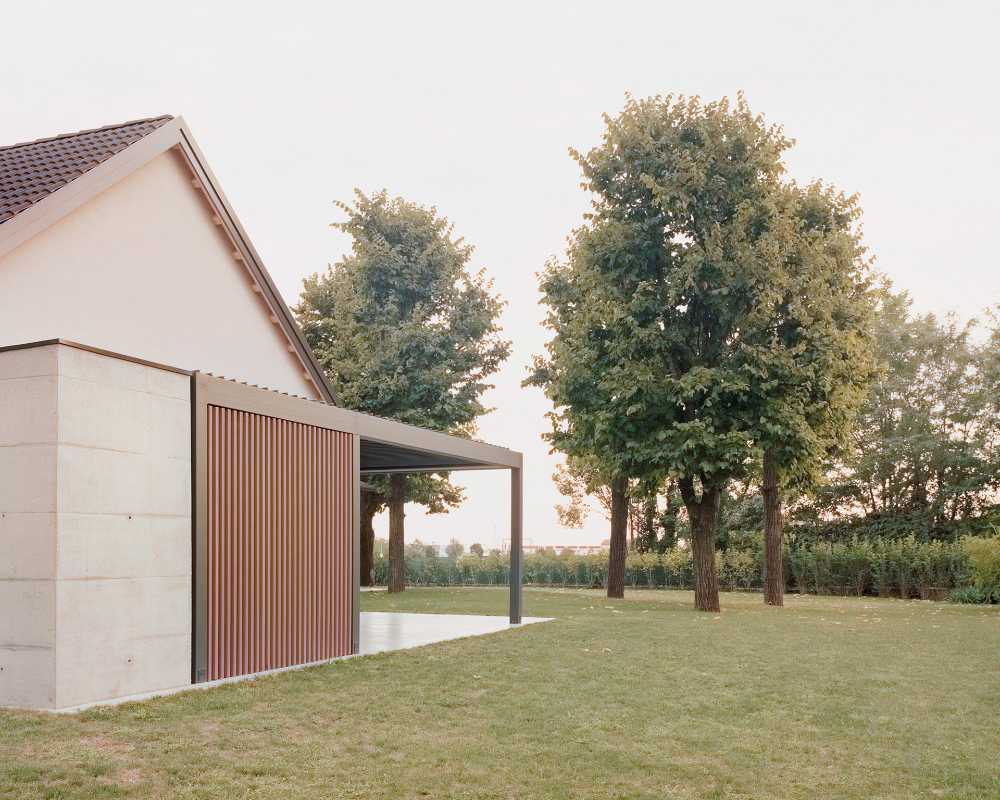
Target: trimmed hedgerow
[905,568]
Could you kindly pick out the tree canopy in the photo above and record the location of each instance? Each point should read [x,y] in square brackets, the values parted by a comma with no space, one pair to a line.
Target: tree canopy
[400,325]
[922,459]
[405,331]
[704,309]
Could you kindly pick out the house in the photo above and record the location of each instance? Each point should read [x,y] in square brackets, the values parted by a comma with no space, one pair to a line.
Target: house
[178,487]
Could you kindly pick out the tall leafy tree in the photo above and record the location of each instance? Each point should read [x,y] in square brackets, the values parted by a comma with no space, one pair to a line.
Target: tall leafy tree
[808,354]
[405,331]
[989,370]
[649,311]
[579,355]
[922,458]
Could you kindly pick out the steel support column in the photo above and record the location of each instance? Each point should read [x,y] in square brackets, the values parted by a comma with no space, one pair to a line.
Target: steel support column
[356,539]
[516,526]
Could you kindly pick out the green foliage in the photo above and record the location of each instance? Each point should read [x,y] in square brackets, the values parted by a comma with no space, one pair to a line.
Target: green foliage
[652,511]
[905,568]
[973,594]
[984,562]
[576,481]
[706,310]
[739,569]
[895,568]
[741,519]
[923,457]
[647,310]
[806,349]
[402,328]
[435,492]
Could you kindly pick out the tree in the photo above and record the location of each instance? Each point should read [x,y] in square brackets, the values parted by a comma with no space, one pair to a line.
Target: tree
[808,354]
[405,331]
[571,377]
[435,492]
[649,526]
[989,370]
[660,285]
[476,549]
[922,458]
[454,549]
[573,486]
[371,503]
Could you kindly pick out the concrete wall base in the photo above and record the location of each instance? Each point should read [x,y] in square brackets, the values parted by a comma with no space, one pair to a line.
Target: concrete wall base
[95,527]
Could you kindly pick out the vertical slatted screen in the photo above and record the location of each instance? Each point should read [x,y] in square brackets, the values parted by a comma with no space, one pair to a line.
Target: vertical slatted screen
[279,583]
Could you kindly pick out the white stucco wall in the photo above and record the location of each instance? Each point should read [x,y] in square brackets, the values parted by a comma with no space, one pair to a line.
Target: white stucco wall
[142,270]
[95,528]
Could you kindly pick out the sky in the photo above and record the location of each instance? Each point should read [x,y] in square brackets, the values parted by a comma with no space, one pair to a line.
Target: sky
[472,108]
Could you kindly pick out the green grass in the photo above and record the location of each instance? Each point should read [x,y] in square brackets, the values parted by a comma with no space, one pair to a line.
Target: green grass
[642,698]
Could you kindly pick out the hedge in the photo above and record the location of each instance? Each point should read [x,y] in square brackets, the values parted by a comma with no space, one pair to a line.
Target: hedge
[904,568]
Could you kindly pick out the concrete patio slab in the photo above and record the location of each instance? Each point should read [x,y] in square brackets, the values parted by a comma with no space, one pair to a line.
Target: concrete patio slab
[381,632]
[384,631]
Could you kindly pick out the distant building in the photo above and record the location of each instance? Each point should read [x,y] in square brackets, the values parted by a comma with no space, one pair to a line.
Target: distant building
[576,549]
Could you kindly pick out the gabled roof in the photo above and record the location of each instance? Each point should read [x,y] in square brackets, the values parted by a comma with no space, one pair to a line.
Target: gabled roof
[43,181]
[31,171]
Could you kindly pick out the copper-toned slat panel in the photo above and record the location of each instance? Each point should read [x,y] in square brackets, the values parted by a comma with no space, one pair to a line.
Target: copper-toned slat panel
[279,526]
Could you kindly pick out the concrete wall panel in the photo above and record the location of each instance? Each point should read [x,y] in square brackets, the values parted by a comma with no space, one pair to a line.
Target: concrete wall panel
[28,479]
[34,624]
[111,372]
[93,414]
[35,418]
[93,546]
[27,676]
[98,481]
[95,514]
[27,546]
[107,630]
[28,525]
[38,361]
[170,437]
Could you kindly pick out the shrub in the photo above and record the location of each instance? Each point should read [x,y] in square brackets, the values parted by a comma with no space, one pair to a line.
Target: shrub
[738,569]
[973,594]
[800,563]
[851,567]
[898,567]
[983,554]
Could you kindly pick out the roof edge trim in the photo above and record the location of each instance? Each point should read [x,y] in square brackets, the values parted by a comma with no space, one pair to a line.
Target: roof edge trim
[252,258]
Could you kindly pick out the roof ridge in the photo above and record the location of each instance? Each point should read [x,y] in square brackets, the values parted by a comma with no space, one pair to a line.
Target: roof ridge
[164,117]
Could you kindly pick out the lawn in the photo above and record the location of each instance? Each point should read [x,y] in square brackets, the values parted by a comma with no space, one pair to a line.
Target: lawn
[642,698]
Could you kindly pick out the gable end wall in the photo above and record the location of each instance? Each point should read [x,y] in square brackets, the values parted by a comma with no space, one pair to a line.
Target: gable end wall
[142,269]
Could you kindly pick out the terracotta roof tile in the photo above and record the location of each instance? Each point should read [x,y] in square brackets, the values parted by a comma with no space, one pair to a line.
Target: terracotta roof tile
[31,171]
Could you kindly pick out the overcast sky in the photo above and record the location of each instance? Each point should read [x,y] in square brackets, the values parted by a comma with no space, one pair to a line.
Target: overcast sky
[472,108]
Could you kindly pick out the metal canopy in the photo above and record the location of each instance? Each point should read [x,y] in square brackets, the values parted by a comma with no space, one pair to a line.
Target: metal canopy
[382,458]
[383,446]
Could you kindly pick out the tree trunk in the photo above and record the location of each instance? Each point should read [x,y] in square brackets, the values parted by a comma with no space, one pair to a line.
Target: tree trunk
[774,570]
[370,502]
[397,563]
[619,525]
[704,515]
